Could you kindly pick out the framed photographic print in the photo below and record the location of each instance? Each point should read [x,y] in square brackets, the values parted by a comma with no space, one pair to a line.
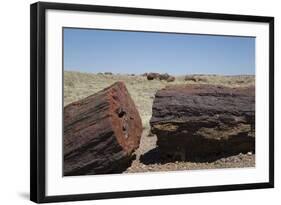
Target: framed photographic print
[129,102]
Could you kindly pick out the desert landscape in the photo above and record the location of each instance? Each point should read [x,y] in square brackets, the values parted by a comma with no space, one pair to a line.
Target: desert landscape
[144,88]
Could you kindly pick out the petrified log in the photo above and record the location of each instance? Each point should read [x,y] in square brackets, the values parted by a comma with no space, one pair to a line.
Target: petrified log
[164,76]
[152,76]
[199,120]
[101,132]
[190,78]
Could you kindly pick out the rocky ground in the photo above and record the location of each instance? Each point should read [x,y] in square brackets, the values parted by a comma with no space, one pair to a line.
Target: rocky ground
[148,159]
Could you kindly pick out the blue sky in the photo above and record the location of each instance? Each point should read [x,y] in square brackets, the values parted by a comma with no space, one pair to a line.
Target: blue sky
[91,50]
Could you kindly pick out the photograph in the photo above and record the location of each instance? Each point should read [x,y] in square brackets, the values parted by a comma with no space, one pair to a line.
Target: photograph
[134,102]
[142,101]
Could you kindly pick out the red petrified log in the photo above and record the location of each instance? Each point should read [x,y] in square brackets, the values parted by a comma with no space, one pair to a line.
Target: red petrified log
[199,120]
[101,132]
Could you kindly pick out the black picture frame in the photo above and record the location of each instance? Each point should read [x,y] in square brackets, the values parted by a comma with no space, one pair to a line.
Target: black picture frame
[38,101]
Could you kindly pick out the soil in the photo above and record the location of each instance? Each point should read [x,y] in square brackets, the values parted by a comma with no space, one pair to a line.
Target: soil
[148,159]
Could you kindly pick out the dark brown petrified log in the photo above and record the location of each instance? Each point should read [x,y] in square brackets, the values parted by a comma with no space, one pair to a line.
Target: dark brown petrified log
[101,132]
[199,120]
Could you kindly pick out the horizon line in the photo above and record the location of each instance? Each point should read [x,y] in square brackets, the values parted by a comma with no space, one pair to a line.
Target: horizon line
[114,73]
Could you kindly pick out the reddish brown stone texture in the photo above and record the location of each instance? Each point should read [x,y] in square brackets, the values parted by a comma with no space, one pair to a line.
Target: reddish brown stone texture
[200,120]
[101,132]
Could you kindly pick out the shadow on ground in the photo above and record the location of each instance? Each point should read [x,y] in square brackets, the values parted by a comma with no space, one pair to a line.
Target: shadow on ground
[153,156]
[24,195]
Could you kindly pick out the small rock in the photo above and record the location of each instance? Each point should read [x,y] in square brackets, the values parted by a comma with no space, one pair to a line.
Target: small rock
[190,78]
[236,159]
[171,79]
[164,76]
[152,76]
[108,73]
[223,160]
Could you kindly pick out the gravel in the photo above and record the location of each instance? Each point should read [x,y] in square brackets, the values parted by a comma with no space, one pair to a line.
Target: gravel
[148,159]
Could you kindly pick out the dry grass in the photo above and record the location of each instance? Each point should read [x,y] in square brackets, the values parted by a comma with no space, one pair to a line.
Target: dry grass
[80,85]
